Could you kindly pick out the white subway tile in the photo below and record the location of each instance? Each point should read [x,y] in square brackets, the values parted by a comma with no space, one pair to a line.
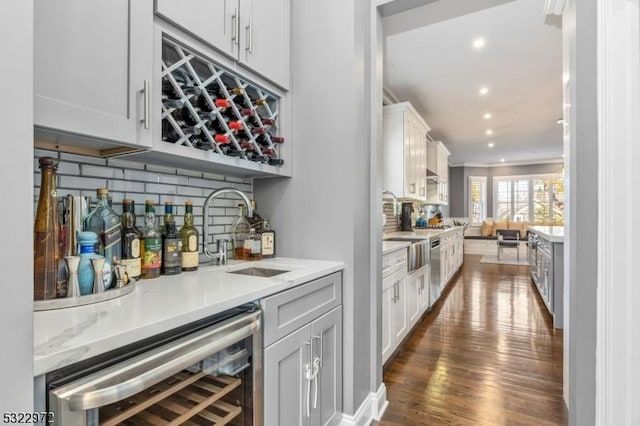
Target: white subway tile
[125,186]
[66,168]
[78,182]
[173,179]
[202,183]
[190,191]
[158,188]
[235,179]
[124,164]
[212,176]
[191,173]
[161,169]
[141,175]
[105,172]
[83,159]
[37,153]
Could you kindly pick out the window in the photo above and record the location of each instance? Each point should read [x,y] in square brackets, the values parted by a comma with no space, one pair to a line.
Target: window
[477,198]
[529,198]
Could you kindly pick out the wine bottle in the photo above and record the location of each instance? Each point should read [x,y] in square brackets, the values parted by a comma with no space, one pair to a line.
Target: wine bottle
[46,248]
[152,243]
[131,239]
[255,221]
[106,224]
[171,250]
[268,121]
[240,234]
[189,234]
[254,244]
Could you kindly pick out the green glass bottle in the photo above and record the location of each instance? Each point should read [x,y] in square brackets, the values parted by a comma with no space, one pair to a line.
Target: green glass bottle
[131,241]
[152,243]
[106,223]
[189,234]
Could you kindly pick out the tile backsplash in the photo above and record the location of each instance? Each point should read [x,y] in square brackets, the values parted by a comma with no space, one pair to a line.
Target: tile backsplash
[82,175]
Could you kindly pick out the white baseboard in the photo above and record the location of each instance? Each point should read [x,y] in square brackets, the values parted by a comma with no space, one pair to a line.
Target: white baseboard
[372,408]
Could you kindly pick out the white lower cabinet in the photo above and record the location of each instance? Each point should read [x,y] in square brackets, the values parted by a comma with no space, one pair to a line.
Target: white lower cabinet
[303,369]
[394,312]
[417,294]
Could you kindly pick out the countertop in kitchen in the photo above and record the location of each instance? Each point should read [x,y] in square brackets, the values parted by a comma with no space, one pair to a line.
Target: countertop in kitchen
[555,234]
[420,233]
[65,336]
[391,246]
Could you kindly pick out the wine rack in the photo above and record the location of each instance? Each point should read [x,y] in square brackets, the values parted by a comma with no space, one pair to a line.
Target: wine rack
[207,107]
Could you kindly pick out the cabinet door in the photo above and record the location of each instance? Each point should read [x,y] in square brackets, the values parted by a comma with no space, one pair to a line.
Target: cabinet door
[414,283]
[388,300]
[265,34]
[91,62]
[423,303]
[214,22]
[399,308]
[285,386]
[326,333]
[410,184]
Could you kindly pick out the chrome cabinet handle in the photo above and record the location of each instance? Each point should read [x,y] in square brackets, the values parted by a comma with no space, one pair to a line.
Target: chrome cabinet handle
[145,92]
[321,347]
[308,376]
[249,35]
[235,29]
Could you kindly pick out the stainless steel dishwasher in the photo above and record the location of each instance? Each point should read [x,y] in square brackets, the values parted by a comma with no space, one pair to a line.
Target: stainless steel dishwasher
[434,281]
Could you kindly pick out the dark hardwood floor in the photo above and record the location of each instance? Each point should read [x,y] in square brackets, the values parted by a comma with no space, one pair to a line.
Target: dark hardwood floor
[487,354]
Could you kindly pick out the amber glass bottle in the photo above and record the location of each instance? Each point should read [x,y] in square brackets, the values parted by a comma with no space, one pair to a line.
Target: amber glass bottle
[46,250]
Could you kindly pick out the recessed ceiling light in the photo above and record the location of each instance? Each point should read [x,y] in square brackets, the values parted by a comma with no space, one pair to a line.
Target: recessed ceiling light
[488,132]
[502,160]
[487,116]
[562,155]
[483,90]
[478,43]
[490,144]
[560,121]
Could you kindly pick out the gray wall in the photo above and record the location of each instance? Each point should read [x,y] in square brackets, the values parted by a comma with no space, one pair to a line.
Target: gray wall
[580,23]
[322,212]
[459,187]
[16,121]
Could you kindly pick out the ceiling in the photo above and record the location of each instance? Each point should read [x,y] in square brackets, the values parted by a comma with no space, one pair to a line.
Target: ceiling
[430,62]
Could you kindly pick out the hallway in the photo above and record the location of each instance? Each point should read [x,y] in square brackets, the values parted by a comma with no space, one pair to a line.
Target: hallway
[486,355]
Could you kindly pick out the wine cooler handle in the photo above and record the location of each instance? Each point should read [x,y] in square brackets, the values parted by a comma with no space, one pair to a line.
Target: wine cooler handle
[234,27]
[249,34]
[308,376]
[321,348]
[146,91]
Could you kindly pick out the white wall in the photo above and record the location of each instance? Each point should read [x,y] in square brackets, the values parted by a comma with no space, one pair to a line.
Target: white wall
[16,167]
[323,211]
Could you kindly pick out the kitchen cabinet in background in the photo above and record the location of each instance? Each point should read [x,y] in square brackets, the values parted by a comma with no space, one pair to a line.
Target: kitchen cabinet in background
[438,173]
[93,67]
[303,354]
[417,294]
[256,34]
[405,152]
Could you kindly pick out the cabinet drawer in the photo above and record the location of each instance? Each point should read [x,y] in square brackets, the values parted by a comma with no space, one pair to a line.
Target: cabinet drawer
[287,311]
[394,262]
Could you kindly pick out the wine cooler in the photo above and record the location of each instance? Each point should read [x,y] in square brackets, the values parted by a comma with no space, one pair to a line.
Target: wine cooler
[207,375]
[207,107]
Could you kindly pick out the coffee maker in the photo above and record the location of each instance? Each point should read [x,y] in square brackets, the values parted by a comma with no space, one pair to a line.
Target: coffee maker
[405,216]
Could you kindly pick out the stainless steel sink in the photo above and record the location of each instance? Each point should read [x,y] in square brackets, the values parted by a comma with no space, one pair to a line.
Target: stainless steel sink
[258,272]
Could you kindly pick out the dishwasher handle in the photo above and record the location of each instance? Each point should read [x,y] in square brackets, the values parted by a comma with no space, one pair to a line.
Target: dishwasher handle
[134,375]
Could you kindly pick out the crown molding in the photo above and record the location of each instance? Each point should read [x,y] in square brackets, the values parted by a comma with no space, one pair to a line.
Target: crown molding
[510,163]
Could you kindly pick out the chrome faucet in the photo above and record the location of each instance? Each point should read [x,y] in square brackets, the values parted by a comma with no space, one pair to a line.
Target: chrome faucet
[205,209]
[396,213]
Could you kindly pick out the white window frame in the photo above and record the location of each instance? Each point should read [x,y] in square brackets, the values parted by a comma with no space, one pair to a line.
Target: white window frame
[530,178]
[483,203]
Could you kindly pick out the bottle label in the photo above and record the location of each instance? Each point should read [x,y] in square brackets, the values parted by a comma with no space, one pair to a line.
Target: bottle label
[267,244]
[152,253]
[190,259]
[87,248]
[111,236]
[134,266]
[193,243]
[172,252]
[135,248]
[255,246]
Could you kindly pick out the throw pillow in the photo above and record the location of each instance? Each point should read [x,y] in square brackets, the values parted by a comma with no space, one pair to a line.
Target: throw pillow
[487,227]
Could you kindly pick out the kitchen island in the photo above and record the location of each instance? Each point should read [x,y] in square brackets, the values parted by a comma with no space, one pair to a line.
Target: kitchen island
[546,262]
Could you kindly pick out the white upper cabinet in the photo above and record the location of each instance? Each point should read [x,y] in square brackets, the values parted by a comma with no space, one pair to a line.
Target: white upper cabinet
[92,63]
[405,152]
[255,33]
[214,22]
[438,171]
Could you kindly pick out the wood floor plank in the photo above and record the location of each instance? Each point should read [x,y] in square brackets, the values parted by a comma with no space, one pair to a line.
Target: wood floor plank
[487,354]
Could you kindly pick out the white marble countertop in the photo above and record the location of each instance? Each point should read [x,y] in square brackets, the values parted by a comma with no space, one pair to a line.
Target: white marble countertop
[391,246]
[65,336]
[555,234]
[420,233]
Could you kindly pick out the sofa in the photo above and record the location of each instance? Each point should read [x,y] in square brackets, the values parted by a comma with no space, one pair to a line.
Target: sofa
[481,239]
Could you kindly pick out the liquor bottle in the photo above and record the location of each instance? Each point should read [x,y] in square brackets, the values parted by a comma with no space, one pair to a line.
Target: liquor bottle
[255,221]
[253,243]
[189,235]
[268,240]
[46,234]
[131,239]
[168,217]
[152,243]
[106,223]
[240,234]
[171,250]
[86,275]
